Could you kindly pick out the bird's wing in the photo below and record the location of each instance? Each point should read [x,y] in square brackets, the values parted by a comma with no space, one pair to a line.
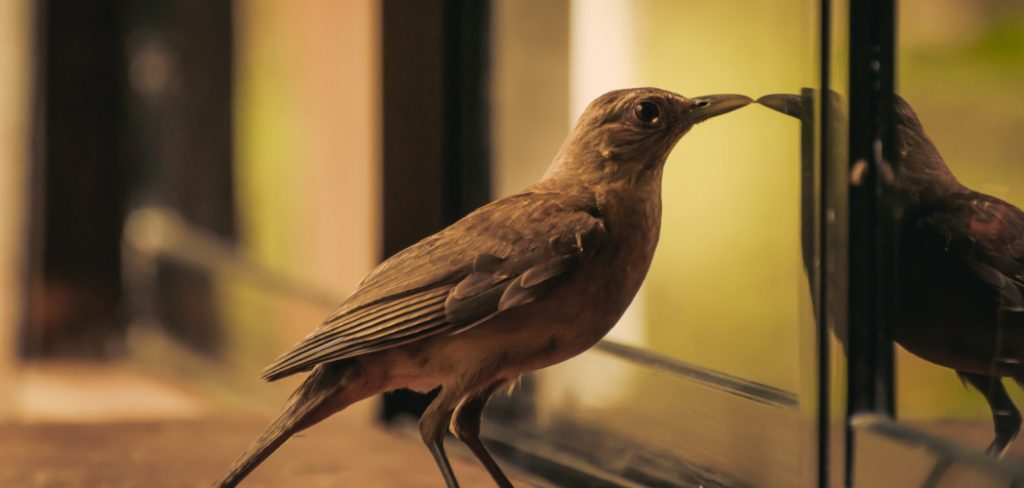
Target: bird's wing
[501,256]
[987,235]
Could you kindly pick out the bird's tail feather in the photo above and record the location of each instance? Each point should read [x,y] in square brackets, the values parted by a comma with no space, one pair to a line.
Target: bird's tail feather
[323,383]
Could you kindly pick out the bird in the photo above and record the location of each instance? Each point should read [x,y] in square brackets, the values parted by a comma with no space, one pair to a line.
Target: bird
[959,271]
[519,284]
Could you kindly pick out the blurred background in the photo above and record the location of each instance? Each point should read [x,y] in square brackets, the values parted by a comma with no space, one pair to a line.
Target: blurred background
[187,188]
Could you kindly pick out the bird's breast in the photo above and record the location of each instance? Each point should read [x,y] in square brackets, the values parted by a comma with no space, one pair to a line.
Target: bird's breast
[579,310]
[592,300]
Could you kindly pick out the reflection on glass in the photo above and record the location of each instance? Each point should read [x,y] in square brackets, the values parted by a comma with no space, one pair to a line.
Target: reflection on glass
[888,454]
[961,258]
[960,271]
[714,363]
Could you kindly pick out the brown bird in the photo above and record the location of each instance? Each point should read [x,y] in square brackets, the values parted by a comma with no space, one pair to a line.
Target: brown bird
[960,271]
[521,283]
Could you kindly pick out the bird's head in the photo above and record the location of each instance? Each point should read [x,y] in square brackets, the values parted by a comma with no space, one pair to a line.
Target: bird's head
[908,127]
[629,133]
[905,115]
[920,169]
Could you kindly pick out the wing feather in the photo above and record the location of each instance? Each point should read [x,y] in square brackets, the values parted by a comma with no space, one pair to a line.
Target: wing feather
[346,325]
[384,324]
[986,235]
[504,255]
[422,324]
[413,312]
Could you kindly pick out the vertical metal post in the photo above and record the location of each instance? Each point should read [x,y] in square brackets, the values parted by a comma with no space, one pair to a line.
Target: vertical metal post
[872,236]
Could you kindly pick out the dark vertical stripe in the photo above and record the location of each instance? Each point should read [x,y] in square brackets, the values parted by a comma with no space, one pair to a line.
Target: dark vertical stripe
[466,106]
[872,24]
[413,121]
[81,178]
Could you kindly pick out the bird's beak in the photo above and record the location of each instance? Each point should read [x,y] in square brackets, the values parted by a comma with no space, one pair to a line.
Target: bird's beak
[786,103]
[708,106]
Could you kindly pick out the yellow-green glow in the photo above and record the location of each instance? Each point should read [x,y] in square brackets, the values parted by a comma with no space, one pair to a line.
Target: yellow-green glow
[724,288]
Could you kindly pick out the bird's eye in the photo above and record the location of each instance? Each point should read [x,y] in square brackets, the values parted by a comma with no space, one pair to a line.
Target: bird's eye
[647,112]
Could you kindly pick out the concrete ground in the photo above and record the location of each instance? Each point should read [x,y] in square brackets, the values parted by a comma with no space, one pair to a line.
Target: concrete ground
[92,426]
[112,425]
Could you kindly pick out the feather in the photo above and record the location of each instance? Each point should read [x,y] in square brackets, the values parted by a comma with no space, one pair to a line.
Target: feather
[486,263]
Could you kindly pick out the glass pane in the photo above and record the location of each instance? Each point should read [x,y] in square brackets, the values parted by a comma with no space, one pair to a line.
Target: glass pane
[709,376]
[961,184]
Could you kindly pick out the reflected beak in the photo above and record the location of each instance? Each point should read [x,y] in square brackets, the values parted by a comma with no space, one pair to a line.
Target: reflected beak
[788,104]
[713,105]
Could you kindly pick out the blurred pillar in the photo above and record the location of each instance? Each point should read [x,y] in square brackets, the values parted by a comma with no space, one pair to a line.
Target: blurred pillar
[15,99]
[75,289]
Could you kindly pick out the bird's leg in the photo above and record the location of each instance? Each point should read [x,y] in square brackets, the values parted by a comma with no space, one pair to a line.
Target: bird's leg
[433,427]
[437,450]
[466,426]
[937,473]
[1005,416]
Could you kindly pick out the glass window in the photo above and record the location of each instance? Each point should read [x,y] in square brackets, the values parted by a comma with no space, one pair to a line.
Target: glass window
[935,244]
[710,375]
[959,325]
